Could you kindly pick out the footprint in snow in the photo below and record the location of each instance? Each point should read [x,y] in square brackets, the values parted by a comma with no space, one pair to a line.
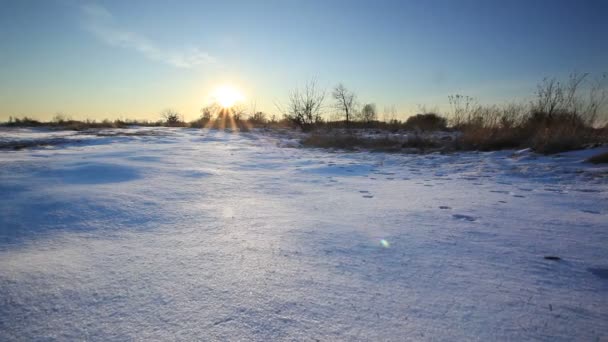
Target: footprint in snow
[464,217]
[444,207]
[519,196]
[502,201]
[590,211]
[587,190]
[499,191]
[368,196]
[364,191]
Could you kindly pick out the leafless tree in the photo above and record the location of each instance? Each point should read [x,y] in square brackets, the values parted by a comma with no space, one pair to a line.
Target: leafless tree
[345,102]
[554,98]
[171,117]
[208,112]
[305,106]
[237,111]
[369,113]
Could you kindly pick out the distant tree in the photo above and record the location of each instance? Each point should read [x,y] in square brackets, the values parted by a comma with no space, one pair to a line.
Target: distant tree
[305,106]
[60,118]
[368,113]
[171,117]
[237,111]
[207,113]
[345,102]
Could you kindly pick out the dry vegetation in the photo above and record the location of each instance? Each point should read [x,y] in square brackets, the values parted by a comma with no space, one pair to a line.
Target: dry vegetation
[564,116]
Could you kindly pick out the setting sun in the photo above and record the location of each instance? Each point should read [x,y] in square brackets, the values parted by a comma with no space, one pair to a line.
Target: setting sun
[227,96]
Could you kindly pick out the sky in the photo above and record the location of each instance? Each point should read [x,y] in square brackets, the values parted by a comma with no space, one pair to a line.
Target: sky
[133,59]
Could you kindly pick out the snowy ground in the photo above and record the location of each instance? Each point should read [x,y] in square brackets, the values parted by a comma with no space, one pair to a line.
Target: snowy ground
[192,234]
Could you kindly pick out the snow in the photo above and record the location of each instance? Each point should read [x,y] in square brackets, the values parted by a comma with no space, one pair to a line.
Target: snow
[181,234]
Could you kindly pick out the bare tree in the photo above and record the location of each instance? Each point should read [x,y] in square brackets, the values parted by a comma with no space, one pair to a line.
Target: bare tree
[369,113]
[208,112]
[171,117]
[238,111]
[553,96]
[555,99]
[305,106]
[345,102]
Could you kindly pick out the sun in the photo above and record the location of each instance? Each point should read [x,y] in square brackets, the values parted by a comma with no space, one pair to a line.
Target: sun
[227,96]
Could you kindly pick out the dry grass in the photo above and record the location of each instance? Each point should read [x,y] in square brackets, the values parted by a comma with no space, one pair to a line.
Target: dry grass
[542,134]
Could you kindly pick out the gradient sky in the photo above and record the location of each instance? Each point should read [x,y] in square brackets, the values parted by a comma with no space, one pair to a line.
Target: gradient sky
[132,59]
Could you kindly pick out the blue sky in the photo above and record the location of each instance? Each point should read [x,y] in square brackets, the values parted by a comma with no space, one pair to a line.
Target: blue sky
[108,59]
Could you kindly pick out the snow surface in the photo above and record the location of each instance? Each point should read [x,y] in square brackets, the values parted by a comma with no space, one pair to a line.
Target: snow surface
[181,234]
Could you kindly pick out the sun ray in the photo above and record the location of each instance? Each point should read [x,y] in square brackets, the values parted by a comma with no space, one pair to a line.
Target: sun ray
[233,126]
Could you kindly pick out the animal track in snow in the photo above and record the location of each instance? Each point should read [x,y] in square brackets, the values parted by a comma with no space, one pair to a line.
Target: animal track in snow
[590,211]
[464,217]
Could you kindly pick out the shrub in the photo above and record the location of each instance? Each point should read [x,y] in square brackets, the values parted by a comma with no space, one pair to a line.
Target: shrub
[258,118]
[426,122]
[172,118]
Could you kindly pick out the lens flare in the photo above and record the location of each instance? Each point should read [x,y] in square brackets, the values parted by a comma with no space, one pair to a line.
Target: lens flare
[385,243]
[227,96]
